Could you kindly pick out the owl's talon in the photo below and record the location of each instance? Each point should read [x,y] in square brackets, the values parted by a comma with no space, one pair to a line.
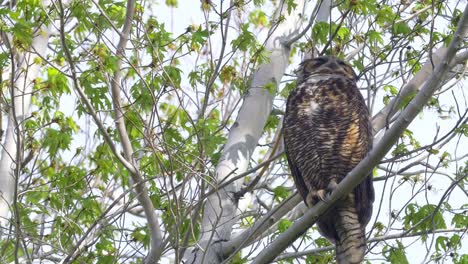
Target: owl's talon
[321,194]
[310,200]
[315,196]
[331,186]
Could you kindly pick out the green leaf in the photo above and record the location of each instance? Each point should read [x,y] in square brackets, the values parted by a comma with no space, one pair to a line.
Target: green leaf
[401,28]
[245,39]
[287,89]
[322,242]
[281,193]
[375,36]
[261,55]
[462,260]
[171,3]
[385,15]
[320,32]
[441,243]
[462,129]
[227,74]
[390,88]
[432,219]
[247,221]
[172,76]
[56,140]
[194,78]
[396,255]
[283,225]
[343,33]
[237,259]
[139,235]
[4,60]
[110,63]
[258,3]
[272,123]
[200,36]
[106,259]
[57,82]
[116,12]
[460,220]
[455,241]
[407,99]
[258,18]
[358,64]
[22,34]
[291,5]
[400,149]
[271,87]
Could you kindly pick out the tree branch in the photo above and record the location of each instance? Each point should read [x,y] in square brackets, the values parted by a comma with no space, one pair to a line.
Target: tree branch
[156,248]
[84,99]
[381,119]
[371,240]
[25,70]
[248,236]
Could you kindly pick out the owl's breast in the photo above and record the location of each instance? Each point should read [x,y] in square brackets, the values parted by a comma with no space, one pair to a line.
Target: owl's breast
[325,122]
[315,99]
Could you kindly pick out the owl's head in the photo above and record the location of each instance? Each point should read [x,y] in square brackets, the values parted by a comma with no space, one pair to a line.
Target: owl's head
[325,66]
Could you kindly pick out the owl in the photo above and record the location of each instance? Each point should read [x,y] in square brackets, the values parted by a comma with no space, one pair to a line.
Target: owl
[327,132]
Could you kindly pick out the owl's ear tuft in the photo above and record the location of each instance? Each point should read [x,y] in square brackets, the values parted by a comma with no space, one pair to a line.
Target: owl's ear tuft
[356,77]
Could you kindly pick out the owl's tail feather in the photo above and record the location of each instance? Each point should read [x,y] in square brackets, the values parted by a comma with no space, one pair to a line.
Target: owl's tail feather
[351,245]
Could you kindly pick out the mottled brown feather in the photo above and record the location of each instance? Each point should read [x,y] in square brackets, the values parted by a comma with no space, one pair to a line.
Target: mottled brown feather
[327,133]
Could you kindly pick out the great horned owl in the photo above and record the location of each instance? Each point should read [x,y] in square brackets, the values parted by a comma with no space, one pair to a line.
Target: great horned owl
[327,133]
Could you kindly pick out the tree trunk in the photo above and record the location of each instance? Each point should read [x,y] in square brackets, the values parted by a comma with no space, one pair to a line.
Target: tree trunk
[25,70]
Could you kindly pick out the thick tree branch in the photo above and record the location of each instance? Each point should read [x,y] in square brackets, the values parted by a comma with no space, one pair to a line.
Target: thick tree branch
[321,13]
[365,166]
[371,240]
[25,70]
[220,208]
[249,235]
[383,117]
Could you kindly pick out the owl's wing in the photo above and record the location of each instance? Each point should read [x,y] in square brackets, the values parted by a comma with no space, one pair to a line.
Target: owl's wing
[297,176]
[364,198]
[364,193]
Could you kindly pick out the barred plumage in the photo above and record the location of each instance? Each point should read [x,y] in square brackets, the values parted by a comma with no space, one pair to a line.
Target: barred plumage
[327,133]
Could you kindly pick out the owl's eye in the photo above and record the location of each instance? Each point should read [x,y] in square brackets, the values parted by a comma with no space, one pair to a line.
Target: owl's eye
[342,63]
[320,60]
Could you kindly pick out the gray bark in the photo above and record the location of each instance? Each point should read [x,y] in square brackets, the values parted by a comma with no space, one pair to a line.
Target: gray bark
[25,70]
